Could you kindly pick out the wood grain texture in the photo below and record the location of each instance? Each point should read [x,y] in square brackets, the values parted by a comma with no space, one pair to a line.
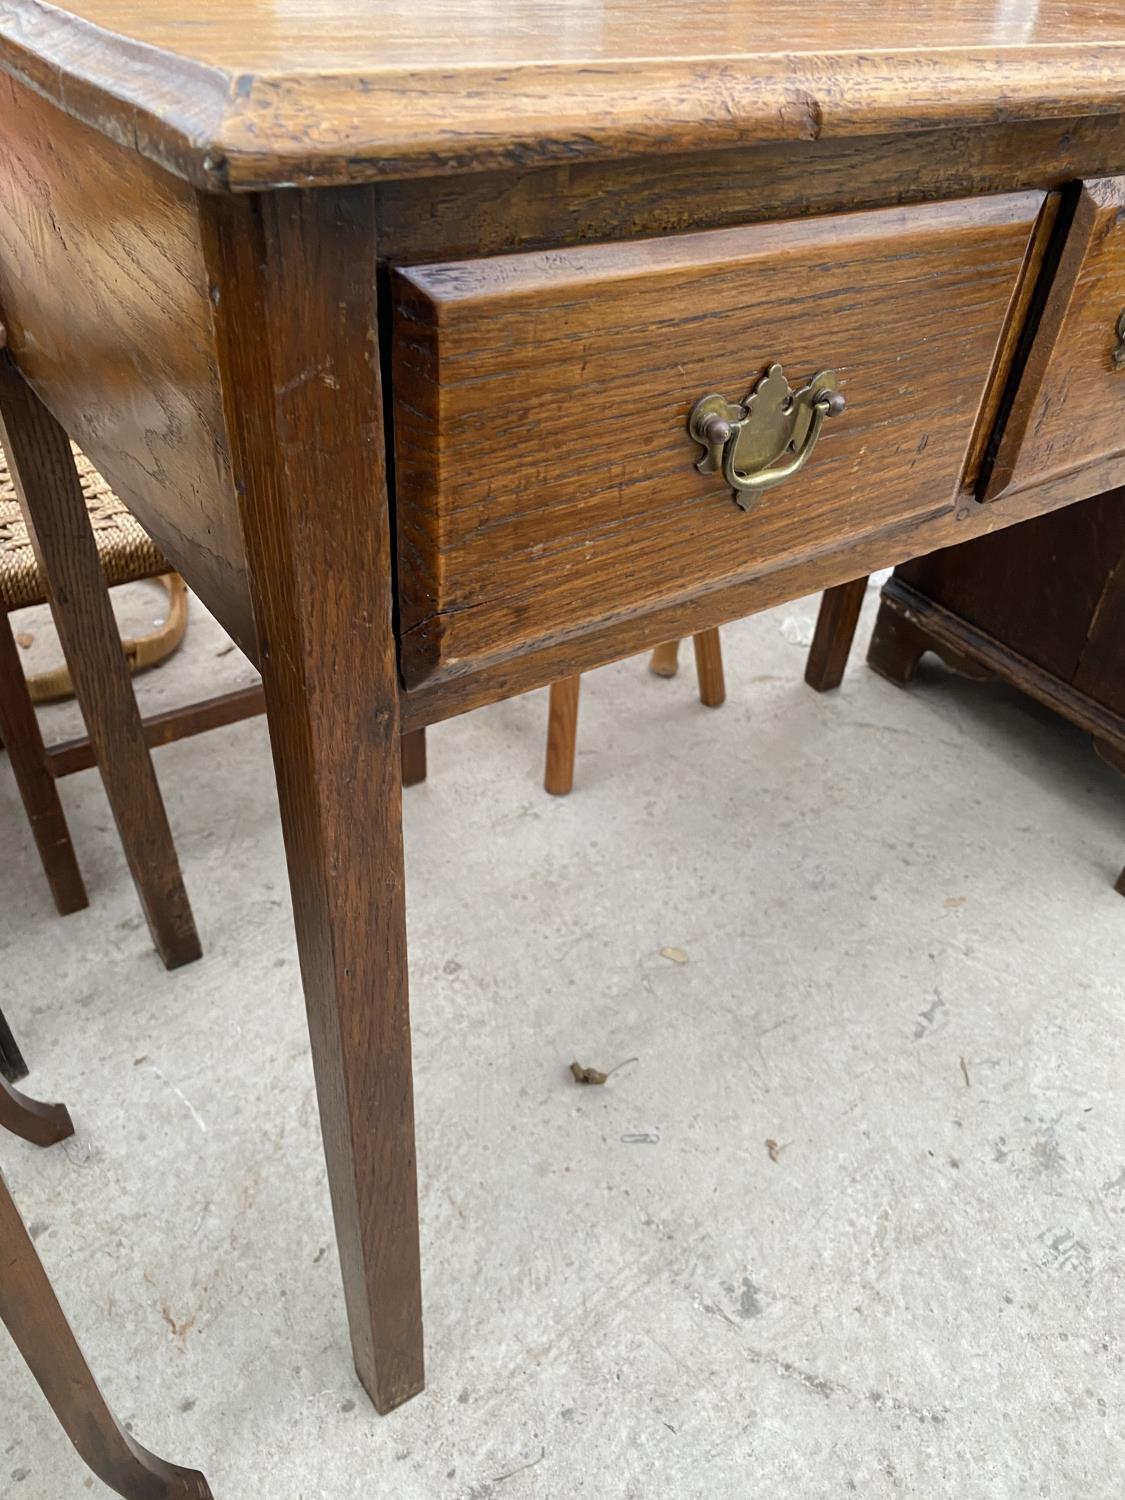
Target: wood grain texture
[19,730]
[1069,407]
[298,339]
[835,631]
[709,668]
[31,1313]
[534,501]
[343,90]
[562,735]
[166,727]
[46,481]
[773,582]
[108,309]
[537,207]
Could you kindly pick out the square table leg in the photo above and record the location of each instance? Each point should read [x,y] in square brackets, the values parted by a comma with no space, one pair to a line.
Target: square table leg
[295,298]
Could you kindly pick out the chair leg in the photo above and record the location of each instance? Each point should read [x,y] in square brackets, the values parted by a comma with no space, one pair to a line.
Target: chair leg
[12,1065]
[31,1313]
[665,660]
[412,749]
[46,481]
[562,736]
[709,668]
[41,1124]
[835,631]
[20,730]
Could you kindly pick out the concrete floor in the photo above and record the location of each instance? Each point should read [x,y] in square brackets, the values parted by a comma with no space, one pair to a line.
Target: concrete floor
[852,1222]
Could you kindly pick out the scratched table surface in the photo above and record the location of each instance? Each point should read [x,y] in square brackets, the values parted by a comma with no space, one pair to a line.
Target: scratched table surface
[274,91]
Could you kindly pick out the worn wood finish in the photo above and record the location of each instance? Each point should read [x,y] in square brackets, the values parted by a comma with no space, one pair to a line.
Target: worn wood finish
[532,503]
[46,482]
[166,727]
[835,631]
[31,1313]
[1069,408]
[540,207]
[767,585]
[709,668]
[107,305]
[19,730]
[333,91]
[298,340]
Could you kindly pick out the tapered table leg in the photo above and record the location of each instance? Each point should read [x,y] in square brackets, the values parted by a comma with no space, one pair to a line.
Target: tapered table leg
[46,481]
[295,294]
[835,631]
[31,1313]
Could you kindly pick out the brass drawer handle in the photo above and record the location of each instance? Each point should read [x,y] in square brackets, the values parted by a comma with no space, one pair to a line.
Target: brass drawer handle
[747,441]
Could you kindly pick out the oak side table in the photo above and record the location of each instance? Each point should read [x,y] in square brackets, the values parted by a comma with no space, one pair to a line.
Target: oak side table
[448,351]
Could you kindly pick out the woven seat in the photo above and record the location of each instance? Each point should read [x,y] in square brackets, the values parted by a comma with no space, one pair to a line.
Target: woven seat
[128,554]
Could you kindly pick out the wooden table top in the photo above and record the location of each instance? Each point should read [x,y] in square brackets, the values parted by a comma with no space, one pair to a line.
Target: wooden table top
[235,94]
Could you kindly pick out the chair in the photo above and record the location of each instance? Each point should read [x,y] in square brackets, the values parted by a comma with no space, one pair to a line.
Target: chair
[562,717]
[81,537]
[32,1315]
[949,603]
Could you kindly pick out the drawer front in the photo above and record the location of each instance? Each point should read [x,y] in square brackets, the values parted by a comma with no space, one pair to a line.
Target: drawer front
[545,477]
[1068,413]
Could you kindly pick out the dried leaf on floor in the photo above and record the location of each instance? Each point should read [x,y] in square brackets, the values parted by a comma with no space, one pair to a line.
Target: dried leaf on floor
[774,1150]
[953,902]
[676,955]
[587,1075]
[24,639]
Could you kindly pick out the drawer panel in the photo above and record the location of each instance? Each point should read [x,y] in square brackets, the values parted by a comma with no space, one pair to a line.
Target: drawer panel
[1068,413]
[545,478]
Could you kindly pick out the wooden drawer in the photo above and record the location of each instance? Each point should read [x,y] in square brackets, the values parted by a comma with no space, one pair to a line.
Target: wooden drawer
[1068,413]
[545,478]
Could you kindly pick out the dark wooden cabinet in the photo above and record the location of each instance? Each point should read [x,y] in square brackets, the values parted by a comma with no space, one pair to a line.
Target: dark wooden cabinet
[1040,605]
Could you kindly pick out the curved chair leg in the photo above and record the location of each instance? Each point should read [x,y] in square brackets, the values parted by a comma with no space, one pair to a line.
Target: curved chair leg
[12,1065]
[41,1124]
[412,749]
[835,631]
[562,734]
[709,668]
[31,1313]
[665,660]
